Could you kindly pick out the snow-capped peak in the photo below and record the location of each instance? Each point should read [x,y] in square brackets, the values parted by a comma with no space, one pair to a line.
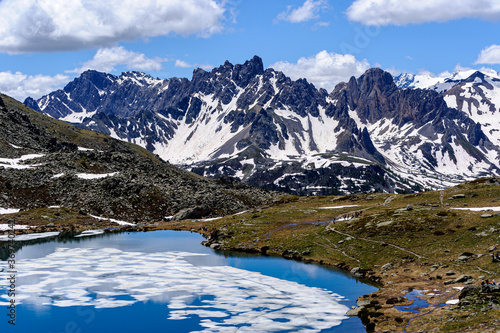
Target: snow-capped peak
[439,82]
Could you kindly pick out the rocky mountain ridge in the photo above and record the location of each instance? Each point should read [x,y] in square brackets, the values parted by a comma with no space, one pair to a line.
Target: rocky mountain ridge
[477,93]
[260,126]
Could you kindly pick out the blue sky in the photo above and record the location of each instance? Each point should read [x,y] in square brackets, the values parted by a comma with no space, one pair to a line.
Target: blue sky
[46,43]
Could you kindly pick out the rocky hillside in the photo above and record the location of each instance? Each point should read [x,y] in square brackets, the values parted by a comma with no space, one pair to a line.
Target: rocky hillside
[260,126]
[46,162]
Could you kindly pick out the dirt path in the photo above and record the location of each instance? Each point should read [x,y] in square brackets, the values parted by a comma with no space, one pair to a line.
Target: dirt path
[388,200]
[441,196]
[375,241]
[334,248]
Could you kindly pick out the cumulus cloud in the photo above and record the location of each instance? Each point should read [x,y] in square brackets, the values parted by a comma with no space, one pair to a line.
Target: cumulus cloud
[325,69]
[106,60]
[396,12]
[308,11]
[489,55]
[61,25]
[206,67]
[184,64]
[20,86]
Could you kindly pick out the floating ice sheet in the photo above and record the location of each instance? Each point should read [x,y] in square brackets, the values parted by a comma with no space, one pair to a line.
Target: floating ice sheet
[229,296]
[90,233]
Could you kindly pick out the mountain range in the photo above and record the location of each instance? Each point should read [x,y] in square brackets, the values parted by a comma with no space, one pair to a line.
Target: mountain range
[374,132]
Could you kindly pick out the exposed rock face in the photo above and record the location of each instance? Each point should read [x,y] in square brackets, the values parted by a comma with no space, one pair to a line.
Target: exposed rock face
[473,92]
[485,296]
[192,213]
[100,175]
[262,127]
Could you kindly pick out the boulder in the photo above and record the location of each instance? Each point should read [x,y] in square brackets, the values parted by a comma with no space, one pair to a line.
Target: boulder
[192,213]
[354,311]
[363,303]
[463,258]
[463,278]
[358,272]
[387,266]
[384,224]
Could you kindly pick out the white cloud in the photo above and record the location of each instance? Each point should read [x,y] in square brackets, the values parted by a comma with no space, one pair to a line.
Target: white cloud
[20,86]
[308,11]
[106,60]
[183,64]
[325,69]
[393,70]
[206,67]
[489,55]
[397,12]
[60,25]
[323,24]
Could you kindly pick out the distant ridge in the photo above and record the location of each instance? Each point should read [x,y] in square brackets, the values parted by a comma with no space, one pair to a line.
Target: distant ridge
[258,125]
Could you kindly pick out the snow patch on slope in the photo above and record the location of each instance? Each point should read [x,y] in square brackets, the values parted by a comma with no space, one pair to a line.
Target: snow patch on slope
[16,163]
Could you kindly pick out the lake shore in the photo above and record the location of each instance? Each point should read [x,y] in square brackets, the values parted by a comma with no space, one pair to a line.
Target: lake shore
[394,283]
[417,249]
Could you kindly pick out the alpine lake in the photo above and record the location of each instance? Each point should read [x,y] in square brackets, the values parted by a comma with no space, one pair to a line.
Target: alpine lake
[166,281]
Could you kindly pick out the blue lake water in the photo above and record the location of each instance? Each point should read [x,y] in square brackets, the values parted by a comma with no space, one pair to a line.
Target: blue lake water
[413,296]
[165,281]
